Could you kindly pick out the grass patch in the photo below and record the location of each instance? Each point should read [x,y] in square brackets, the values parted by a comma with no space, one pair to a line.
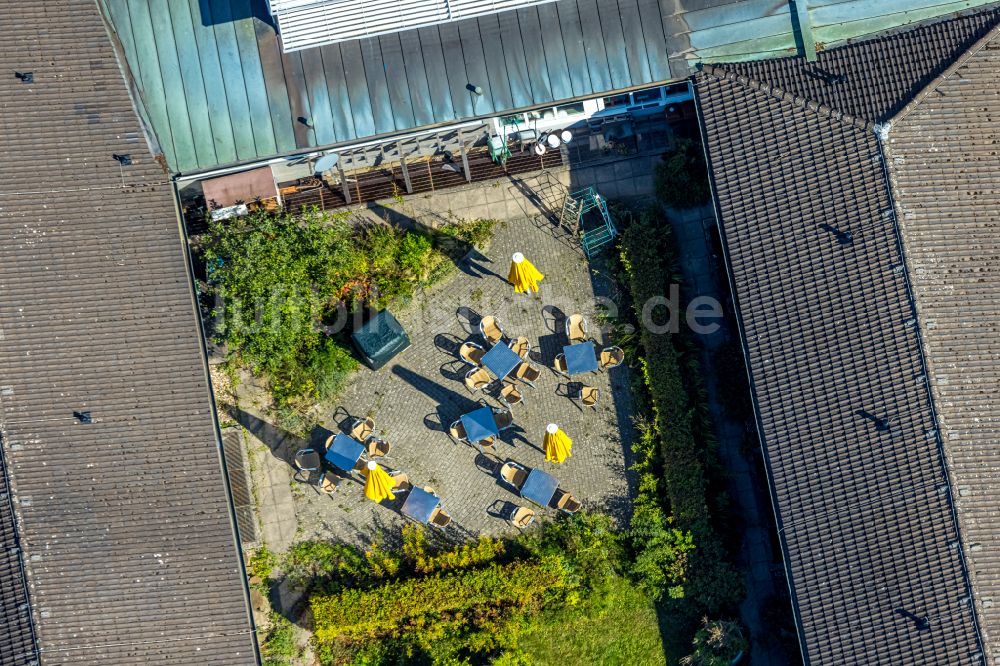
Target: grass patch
[583,635]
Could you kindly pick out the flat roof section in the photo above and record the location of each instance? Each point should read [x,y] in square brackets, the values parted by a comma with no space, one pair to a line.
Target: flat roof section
[106,413]
[217,90]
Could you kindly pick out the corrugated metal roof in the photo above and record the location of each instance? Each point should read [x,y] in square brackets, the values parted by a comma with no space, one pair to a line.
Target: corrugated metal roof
[848,424]
[944,162]
[216,88]
[126,524]
[316,22]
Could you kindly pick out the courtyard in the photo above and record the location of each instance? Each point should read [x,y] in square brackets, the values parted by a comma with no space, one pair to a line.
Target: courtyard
[417,395]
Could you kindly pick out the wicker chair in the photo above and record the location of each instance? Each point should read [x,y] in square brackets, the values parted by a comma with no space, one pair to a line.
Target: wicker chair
[489,444]
[527,373]
[491,330]
[472,353]
[477,379]
[513,475]
[521,347]
[457,431]
[440,518]
[400,482]
[521,517]
[376,447]
[560,365]
[566,503]
[612,357]
[589,396]
[363,429]
[504,418]
[330,483]
[510,396]
[576,328]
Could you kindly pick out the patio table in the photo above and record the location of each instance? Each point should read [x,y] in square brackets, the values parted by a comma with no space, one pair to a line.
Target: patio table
[480,424]
[420,505]
[539,487]
[501,360]
[580,358]
[344,452]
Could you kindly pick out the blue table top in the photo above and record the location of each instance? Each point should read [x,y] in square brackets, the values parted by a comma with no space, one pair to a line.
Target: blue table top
[420,504]
[581,357]
[480,424]
[344,452]
[539,487]
[501,360]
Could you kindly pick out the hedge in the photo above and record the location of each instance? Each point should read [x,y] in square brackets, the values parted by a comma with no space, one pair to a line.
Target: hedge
[711,581]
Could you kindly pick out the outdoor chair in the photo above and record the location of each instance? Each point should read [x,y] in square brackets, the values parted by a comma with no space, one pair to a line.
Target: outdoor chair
[521,517]
[513,475]
[306,462]
[612,357]
[330,484]
[521,347]
[528,374]
[491,330]
[376,447]
[472,353]
[400,482]
[565,502]
[589,396]
[576,328]
[504,418]
[560,365]
[363,429]
[477,379]
[488,444]
[510,396]
[440,518]
[457,431]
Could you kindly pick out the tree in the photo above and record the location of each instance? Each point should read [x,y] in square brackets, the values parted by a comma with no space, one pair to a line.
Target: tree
[717,643]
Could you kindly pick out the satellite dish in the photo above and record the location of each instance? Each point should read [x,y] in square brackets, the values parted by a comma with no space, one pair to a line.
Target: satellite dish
[326,163]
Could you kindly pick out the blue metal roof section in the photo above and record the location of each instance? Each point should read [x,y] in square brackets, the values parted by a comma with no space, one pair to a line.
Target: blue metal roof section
[215,88]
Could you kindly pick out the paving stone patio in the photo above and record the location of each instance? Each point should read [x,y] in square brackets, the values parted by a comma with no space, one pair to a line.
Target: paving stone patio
[417,395]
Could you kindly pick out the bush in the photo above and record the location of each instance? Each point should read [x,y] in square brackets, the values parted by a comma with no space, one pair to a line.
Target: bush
[278,277]
[261,563]
[424,561]
[681,179]
[717,643]
[679,423]
[324,564]
[659,550]
[279,647]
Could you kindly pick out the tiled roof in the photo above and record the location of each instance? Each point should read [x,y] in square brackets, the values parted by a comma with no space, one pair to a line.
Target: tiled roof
[17,640]
[845,413]
[943,153]
[125,522]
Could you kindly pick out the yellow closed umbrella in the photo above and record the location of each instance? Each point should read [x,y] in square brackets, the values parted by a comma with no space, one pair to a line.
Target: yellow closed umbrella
[378,483]
[558,445]
[523,275]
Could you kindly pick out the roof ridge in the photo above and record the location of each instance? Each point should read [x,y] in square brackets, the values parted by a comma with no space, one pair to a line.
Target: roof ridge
[960,61]
[721,73]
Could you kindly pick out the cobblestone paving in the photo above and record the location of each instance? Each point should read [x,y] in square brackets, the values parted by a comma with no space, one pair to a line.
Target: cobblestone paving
[416,396]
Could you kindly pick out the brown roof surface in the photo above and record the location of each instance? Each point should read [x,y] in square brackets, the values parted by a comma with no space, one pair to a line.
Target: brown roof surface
[845,413]
[125,522]
[17,640]
[943,153]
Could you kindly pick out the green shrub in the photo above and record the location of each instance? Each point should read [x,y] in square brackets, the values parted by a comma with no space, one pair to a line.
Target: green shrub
[278,277]
[279,647]
[448,615]
[323,563]
[424,560]
[681,179]
[261,563]
[681,426]
[659,550]
[717,643]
